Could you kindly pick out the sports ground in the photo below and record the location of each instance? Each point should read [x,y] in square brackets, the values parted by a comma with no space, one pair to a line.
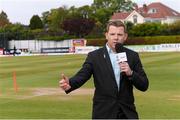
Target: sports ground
[29,88]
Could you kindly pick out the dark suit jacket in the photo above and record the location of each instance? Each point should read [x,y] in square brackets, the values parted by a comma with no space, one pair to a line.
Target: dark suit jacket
[107,98]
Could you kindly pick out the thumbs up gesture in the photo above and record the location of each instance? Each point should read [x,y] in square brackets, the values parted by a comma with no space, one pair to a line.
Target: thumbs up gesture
[64,83]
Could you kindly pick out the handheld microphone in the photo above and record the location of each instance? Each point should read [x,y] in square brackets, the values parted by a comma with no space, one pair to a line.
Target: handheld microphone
[119,47]
[121,55]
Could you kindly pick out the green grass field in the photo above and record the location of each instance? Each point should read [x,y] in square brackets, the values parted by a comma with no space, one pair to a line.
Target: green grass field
[39,96]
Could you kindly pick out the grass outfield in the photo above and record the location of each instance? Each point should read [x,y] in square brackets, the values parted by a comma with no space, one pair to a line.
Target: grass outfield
[38,94]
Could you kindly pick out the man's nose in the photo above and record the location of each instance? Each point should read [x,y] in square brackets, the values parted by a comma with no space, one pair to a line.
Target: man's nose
[116,37]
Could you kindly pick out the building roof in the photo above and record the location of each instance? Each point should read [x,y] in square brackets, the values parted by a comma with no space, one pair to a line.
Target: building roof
[153,10]
[163,11]
[120,15]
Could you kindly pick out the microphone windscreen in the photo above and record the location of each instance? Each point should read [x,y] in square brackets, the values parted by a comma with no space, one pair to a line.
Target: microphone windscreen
[119,47]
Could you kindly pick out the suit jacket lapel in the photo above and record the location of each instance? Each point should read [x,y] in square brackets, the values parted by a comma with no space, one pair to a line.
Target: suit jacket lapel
[108,61]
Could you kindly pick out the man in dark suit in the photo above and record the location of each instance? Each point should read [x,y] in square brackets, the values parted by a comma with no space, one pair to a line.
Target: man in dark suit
[113,81]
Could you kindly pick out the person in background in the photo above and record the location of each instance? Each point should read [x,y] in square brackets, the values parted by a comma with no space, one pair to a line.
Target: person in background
[113,81]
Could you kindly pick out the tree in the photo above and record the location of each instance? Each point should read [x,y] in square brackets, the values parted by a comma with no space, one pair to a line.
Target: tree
[45,20]
[96,31]
[15,31]
[103,15]
[124,5]
[56,18]
[146,29]
[45,16]
[3,19]
[78,26]
[129,25]
[175,28]
[85,12]
[107,4]
[104,9]
[36,22]
[115,5]
[73,13]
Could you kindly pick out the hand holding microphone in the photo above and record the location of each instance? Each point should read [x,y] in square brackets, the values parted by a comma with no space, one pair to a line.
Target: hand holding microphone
[64,83]
[122,60]
[125,68]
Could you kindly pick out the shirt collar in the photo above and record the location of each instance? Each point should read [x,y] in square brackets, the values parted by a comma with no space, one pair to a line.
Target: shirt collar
[109,49]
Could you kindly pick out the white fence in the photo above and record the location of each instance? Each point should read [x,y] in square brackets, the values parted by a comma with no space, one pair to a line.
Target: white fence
[36,45]
[155,48]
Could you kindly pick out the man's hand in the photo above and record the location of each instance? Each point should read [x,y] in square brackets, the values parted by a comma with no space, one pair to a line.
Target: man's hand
[124,66]
[64,83]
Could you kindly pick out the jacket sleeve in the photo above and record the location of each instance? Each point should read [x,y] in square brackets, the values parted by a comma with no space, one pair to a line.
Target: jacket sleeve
[139,78]
[82,75]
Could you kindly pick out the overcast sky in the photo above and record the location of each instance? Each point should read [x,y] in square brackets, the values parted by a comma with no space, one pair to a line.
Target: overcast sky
[22,10]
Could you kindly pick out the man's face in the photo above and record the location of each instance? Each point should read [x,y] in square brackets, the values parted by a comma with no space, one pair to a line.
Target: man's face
[115,35]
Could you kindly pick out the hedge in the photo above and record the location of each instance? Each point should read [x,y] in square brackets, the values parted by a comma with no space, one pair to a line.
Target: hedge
[149,40]
[96,42]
